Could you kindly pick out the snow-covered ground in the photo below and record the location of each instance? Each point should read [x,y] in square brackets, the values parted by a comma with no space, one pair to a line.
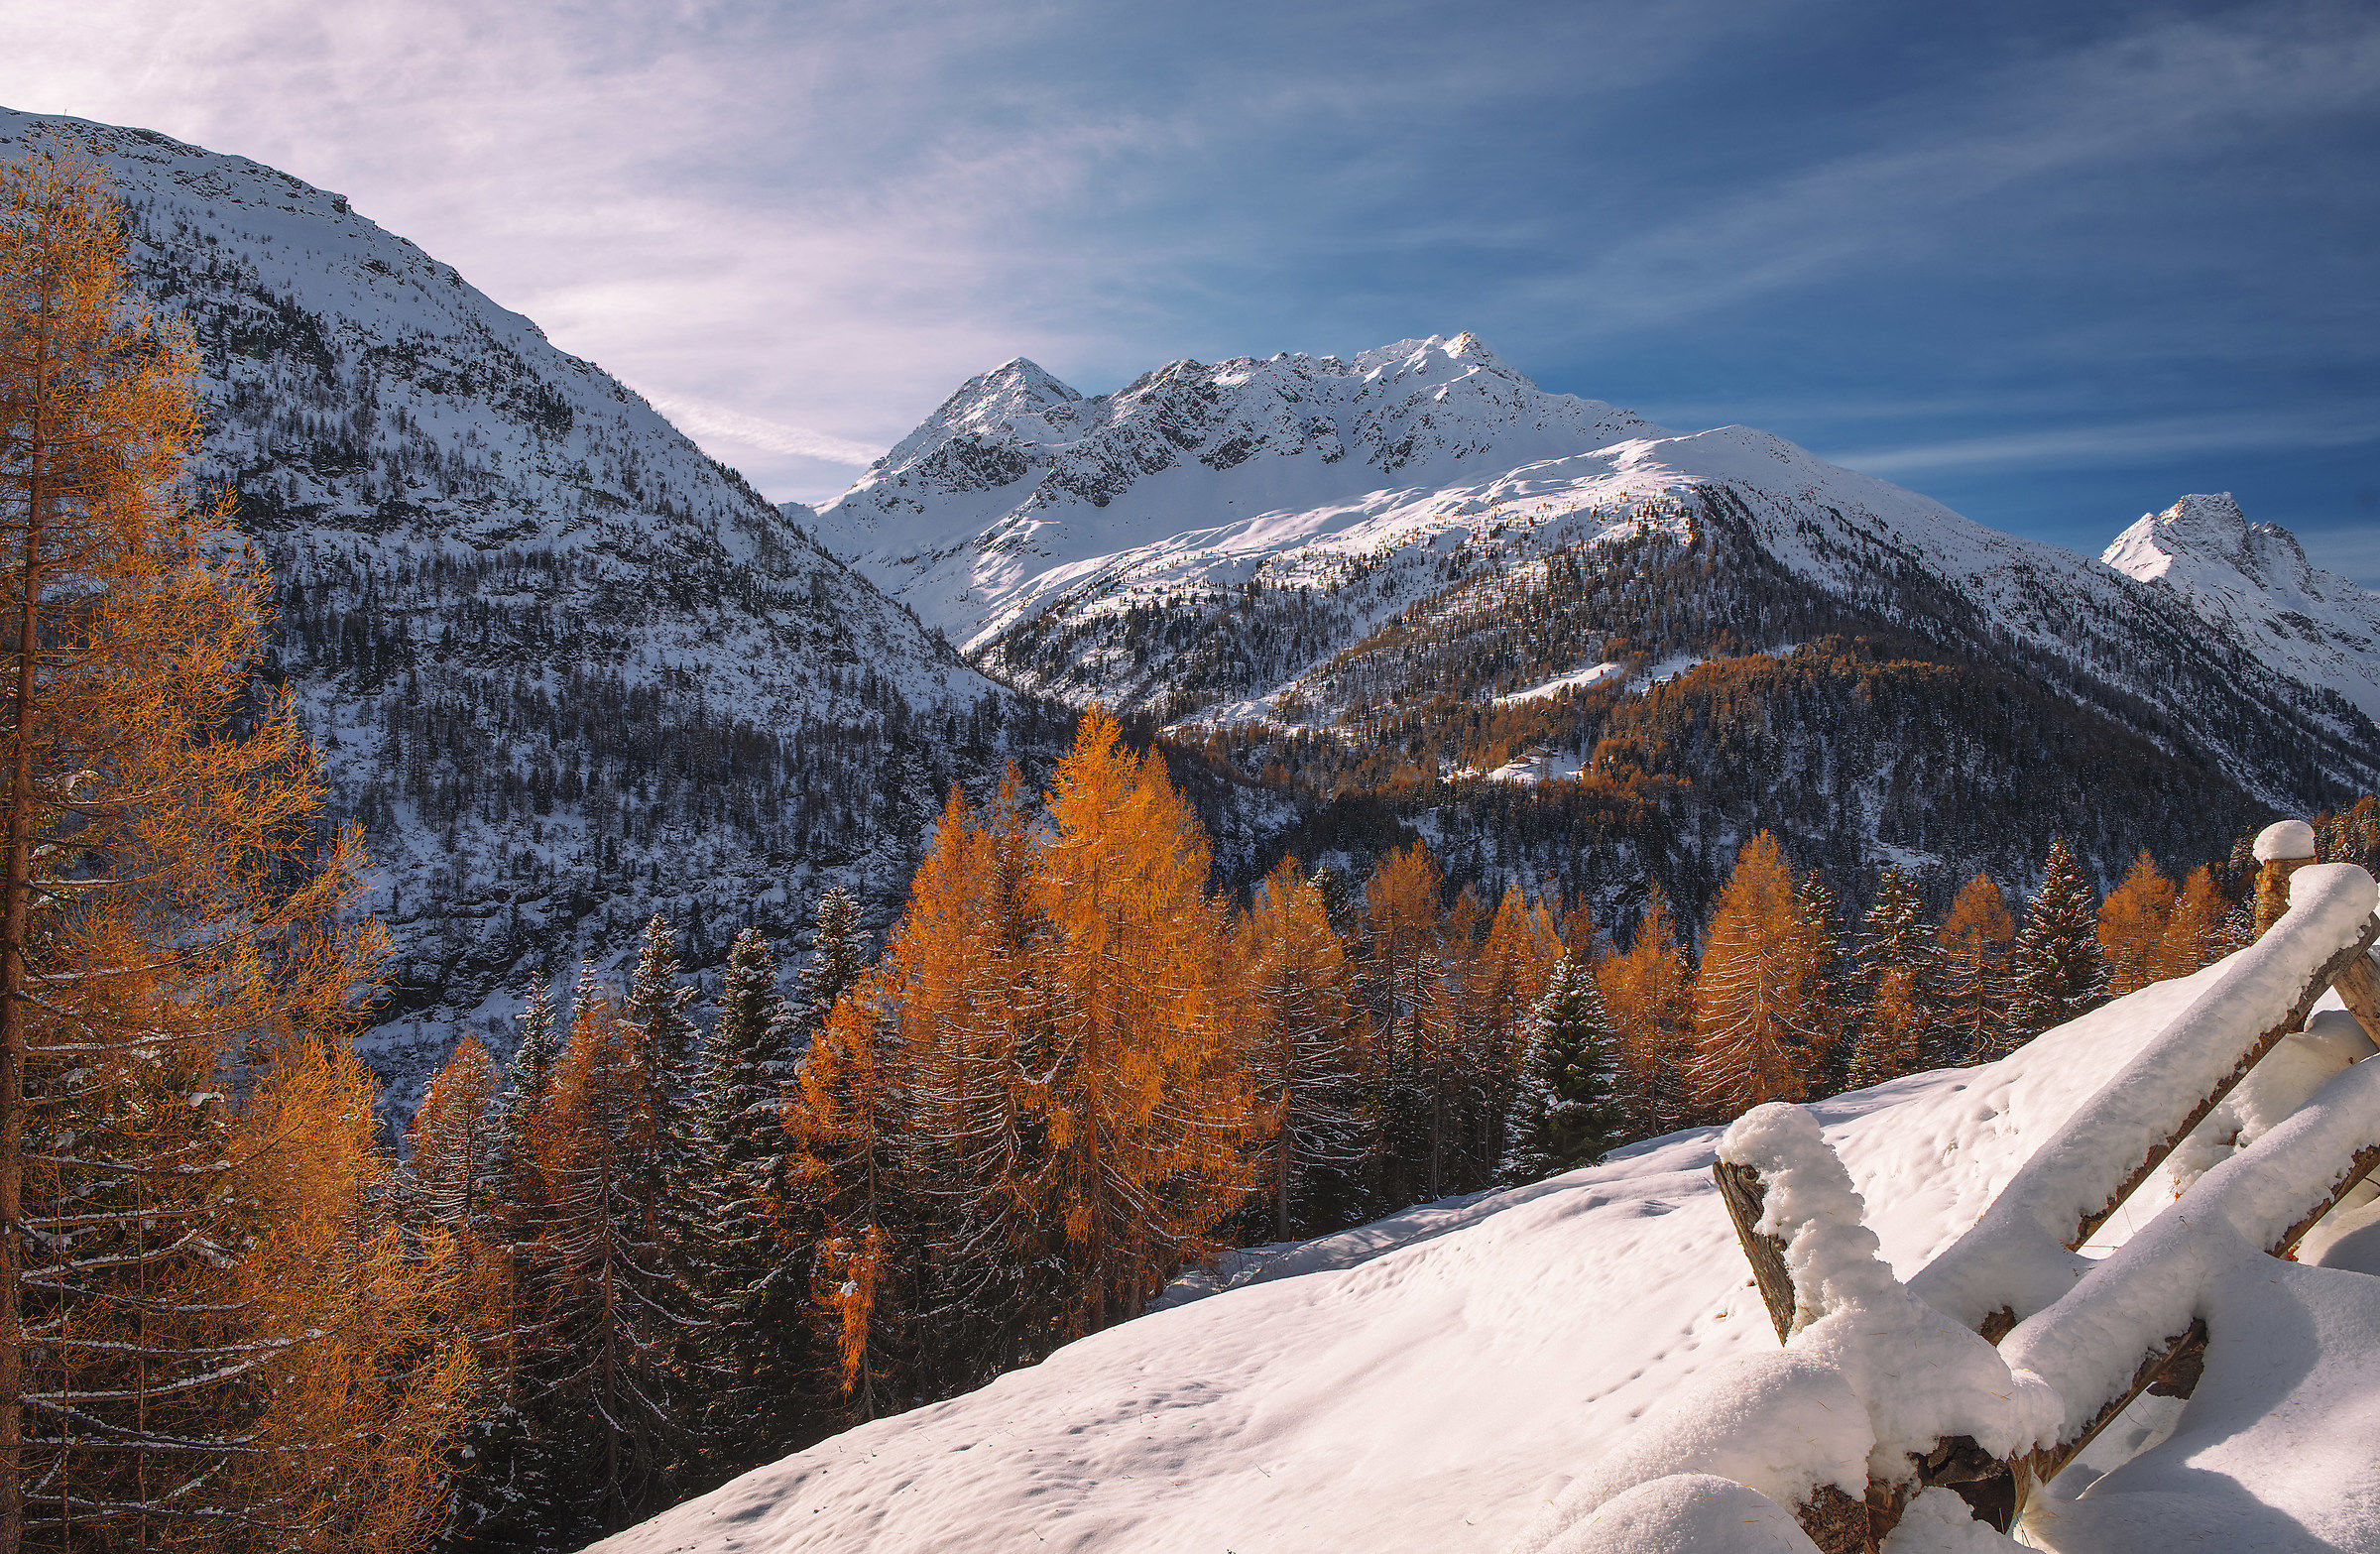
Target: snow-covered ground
[1436,1381]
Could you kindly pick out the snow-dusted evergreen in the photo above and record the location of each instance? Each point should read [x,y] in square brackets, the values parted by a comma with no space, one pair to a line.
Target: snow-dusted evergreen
[1566,1114]
[2055,970]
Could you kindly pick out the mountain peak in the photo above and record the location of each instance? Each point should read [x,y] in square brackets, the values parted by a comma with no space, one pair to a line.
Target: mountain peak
[2255,581]
[2207,529]
[1434,352]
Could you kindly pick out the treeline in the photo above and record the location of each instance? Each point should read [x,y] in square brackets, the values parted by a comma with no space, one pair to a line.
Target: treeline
[1074,1070]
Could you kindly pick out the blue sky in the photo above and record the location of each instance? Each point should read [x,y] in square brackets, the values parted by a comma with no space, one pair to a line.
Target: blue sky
[2052,264]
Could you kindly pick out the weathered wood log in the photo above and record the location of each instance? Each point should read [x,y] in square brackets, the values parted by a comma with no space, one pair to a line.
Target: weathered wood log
[1836,1522]
[2046,1463]
[1992,1488]
[2359,989]
[2176,1372]
[2282,849]
[2183,1370]
[2360,1166]
[1741,1189]
[2272,889]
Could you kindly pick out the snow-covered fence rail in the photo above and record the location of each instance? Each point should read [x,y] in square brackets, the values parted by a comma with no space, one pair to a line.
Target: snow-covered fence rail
[2136,1314]
[2016,1260]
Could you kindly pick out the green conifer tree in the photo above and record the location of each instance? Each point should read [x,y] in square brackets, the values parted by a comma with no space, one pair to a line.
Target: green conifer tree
[530,1070]
[838,954]
[748,1262]
[1568,1112]
[1896,1014]
[2055,971]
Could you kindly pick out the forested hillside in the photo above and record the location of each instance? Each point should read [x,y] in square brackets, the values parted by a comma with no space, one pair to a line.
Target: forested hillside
[564,668]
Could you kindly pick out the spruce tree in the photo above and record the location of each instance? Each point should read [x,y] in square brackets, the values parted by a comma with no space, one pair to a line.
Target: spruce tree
[1568,1112]
[1897,1014]
[532,1069]
[752,1350]
[2055,971]
[838,955]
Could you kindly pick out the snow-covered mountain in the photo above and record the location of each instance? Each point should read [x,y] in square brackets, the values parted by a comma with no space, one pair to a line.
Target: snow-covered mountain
[1021,510]
[1433,1381]
[1306,549]
[2253,582]
[565,668]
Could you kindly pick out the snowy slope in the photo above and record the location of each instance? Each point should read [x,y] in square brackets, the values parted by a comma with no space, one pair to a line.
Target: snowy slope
[566,669]
[1274,517]
[1431,1383]
[2253,581]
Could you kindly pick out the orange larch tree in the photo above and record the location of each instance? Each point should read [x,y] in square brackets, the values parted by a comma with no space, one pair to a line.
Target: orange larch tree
[1647,995]
[846,1126]
[1147,1101]
[599,1338]
[177,948]
[2132,922]
[1305,1041]
[1755,994]
[2194,936]
[455,1137]
[1970,970]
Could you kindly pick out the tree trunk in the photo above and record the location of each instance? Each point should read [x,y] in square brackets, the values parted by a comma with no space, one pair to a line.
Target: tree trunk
[15,908]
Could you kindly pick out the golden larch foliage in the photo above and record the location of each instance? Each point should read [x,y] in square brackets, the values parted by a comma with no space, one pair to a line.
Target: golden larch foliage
[2132,924]
[1647,995]
[1304,1045]
[1148,1104]
[453,1139]
[177,951]
[1971,959]
[1756,998]
[2194,937]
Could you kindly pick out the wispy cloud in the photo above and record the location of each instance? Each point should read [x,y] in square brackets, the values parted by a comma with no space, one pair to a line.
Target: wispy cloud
[717,422]
[2172,89]
[2127,443]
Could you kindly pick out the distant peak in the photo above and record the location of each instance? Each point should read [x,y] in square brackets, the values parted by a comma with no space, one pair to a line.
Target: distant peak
[1019,383]
[1434,353]
[1023,369]
[2207,529]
